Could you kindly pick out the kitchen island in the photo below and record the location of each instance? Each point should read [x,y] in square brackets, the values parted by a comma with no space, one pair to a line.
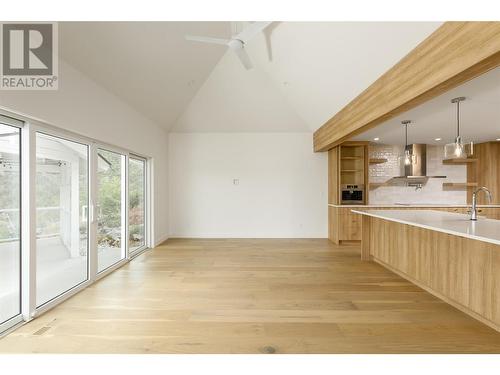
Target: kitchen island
[344,226]
[445,253]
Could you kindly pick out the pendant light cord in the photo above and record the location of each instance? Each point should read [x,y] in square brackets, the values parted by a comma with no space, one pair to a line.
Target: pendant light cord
[458,119]
[406,135]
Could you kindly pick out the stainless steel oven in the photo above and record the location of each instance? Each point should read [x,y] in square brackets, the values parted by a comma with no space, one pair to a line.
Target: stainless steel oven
[352,194]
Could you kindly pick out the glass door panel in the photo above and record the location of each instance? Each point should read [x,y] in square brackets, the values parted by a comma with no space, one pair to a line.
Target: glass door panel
[110,208]
[137,204]
[62,198]
[10,246]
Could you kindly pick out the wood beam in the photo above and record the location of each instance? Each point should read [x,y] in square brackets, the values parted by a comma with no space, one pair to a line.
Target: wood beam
[455,53]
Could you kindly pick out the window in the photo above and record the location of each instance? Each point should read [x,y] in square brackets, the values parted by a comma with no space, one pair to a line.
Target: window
[137,204]
[62,198]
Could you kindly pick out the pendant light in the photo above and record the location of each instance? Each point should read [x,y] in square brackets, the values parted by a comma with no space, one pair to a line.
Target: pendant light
[408,157]
[458,150]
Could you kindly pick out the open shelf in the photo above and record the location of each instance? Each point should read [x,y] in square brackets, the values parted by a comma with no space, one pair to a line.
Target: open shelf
[459,184]
[351,157]
[374,185]
[459,161]
[353,164]
[377,160]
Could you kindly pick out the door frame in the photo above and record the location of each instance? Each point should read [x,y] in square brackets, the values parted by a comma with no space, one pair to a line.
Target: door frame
[147,232]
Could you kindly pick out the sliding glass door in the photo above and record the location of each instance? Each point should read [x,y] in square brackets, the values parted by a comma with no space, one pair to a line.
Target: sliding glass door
[10,204]
[71,210]
[111,208]
[137,204]
[62,196]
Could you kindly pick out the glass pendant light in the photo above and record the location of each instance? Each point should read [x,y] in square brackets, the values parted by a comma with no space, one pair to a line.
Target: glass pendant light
[408,157]
[458,149]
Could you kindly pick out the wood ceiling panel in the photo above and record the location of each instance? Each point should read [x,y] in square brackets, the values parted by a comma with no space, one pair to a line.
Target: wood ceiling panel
[452,55]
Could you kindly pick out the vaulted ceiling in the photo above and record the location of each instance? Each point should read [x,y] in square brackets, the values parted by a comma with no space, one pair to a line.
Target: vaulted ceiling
[149,65]
[304,71]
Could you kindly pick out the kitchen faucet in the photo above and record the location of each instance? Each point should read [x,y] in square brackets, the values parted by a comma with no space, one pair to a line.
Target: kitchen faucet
[473,211]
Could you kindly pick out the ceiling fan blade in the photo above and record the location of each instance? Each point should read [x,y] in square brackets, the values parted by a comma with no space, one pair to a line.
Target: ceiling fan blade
[250,31]
[243,56]
[207,39]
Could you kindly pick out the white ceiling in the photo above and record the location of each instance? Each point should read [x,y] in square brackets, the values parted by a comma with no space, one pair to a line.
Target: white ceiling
[480,116]
[321,66]
[149,65]
[237,100]
[316,69]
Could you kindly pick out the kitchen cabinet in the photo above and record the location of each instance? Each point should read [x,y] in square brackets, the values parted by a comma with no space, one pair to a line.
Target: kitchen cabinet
[443,258]
[344,226]
[485,172]
[350,227]
[347,165]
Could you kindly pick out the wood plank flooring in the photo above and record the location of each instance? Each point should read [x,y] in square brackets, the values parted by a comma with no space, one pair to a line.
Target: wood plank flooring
[252,296]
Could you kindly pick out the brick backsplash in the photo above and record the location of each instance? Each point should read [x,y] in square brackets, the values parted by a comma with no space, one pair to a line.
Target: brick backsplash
[432,190]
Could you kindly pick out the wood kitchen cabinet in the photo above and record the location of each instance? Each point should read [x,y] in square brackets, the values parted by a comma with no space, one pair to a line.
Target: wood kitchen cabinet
[485,172]
[344,226]
[350,227]
[347,165]
[461,271]
[490,212]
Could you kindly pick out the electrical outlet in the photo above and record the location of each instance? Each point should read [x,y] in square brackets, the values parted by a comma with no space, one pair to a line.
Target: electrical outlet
[236,181]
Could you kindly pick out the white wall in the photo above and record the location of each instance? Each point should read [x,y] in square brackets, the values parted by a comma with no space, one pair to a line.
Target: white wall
[282,189]
[82,106]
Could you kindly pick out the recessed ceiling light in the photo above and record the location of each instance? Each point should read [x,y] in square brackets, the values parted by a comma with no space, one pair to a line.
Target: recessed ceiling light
[376,139]
[437,139]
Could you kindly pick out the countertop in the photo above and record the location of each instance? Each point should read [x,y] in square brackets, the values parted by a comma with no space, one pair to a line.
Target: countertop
[486,230]
[401,205]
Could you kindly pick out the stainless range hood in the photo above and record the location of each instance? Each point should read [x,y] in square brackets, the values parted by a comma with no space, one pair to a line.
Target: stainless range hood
[418,169]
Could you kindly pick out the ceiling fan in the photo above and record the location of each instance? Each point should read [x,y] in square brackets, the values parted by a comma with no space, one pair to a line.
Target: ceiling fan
[237,42]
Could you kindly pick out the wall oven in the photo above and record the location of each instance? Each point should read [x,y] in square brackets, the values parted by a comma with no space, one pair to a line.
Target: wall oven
[352,194]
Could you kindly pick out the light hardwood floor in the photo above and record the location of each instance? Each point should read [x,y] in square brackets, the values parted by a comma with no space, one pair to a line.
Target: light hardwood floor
[253,296]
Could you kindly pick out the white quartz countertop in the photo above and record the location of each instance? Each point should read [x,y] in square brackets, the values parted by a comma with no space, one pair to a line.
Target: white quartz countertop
[487,230]
[422,205]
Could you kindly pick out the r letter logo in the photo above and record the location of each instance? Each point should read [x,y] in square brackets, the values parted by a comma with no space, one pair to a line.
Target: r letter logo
[28,56]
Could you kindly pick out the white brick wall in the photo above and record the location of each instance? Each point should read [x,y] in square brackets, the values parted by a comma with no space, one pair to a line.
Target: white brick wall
[398,192]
